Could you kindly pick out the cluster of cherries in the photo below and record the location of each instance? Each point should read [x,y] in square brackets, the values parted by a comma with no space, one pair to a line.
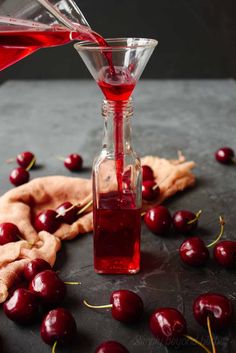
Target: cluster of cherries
[50,220]
[46,290]
[26,160]
[43,289]
[193,251]
[40,287]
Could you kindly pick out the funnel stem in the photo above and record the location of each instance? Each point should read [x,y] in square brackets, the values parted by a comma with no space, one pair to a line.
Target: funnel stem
[119,144]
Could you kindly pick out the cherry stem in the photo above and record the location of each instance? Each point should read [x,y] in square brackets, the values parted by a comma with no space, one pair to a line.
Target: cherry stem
[54,347]
[60,158]
[222,227]
[233,160]
[197,216]
[10,160]
[97,306]
[180,155]
[200,344]
[143,214]
[67,210]
[20,238]
[85,207]
[162,181]
[31,164]
[210,335]
[155,187]
[73,283]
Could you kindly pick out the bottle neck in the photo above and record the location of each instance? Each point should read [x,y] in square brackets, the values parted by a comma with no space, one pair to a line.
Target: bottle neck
[117,126]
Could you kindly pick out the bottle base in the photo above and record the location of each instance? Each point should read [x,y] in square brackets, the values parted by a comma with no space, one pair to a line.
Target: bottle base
[119,266]
[117,272]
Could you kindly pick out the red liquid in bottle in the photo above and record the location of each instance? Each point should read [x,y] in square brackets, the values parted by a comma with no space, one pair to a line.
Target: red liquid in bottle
[117,220]
[117,228]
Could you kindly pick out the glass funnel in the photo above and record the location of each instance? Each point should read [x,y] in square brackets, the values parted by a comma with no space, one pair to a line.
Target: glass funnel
[117,179]
[118,66]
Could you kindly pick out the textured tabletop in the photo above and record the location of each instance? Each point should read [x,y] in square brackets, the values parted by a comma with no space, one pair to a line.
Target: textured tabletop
[196,117]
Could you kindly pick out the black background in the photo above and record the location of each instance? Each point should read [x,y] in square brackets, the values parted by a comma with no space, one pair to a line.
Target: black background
[197,39]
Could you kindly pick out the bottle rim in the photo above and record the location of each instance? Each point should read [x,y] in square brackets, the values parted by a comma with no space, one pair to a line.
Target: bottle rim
[110,107]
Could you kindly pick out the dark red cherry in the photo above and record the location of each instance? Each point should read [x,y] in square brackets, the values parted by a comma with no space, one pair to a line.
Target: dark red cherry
[22,307]
[19,283]
[158,220]
[67,217]
[147,173]
[74,162]
[48,287]
[9,232]
[225,253]
[47,220]
[111,347]
[194,252]
[58,325]
[181,221]
[19,176]
[217,307]
[34,267]
[224,155]
[167,325]
[127,306]
[150,191]
[24,159]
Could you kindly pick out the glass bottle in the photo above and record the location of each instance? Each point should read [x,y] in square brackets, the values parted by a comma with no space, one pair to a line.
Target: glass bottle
[117,195]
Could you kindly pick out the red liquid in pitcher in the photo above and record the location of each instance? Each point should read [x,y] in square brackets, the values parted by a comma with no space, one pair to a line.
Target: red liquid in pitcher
[117,234]
[18,42]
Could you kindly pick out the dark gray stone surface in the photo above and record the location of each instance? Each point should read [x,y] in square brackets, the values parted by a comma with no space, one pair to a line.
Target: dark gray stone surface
[197,117]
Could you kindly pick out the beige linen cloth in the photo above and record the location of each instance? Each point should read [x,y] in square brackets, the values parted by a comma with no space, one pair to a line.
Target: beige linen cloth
[21,204]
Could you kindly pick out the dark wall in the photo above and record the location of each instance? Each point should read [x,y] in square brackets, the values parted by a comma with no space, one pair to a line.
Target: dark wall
[197,39]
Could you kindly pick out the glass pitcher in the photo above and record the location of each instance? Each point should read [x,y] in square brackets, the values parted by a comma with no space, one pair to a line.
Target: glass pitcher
[47,12]
[28,25]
